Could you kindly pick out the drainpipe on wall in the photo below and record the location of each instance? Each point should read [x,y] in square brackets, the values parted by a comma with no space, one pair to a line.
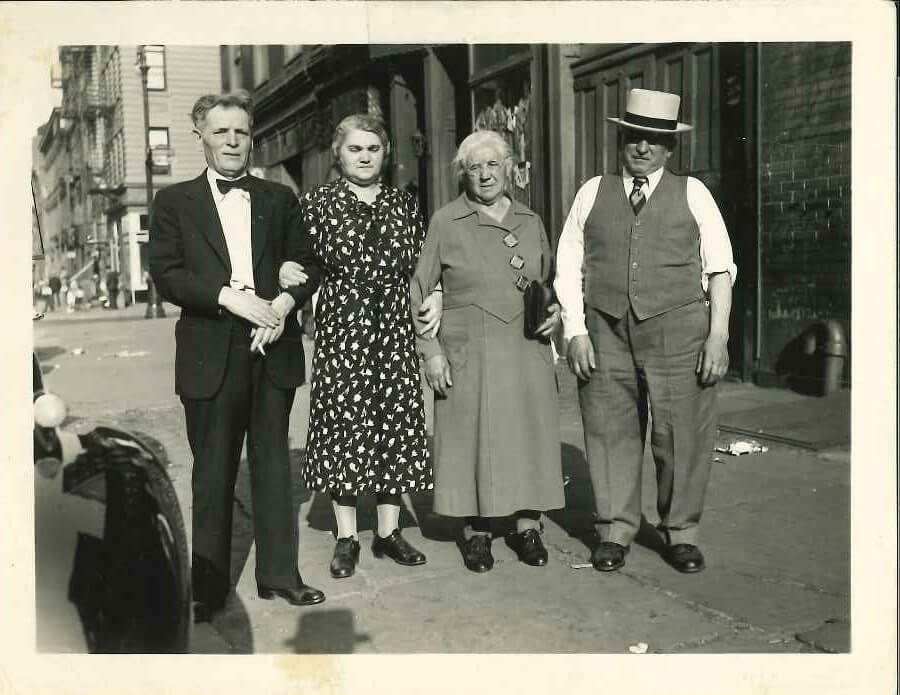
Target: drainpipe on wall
[757,356]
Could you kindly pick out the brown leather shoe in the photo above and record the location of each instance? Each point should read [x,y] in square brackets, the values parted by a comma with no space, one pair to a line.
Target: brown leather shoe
[685,558]
[609,556]
[397,548]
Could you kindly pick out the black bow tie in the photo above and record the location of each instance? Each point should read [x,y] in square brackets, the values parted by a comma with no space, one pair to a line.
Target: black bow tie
[226,185]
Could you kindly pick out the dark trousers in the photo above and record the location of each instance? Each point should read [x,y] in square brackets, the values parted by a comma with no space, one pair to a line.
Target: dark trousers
[647,367]
[247,402]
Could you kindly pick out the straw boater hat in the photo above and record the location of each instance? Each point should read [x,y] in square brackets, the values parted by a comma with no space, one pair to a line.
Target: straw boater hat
[656,112]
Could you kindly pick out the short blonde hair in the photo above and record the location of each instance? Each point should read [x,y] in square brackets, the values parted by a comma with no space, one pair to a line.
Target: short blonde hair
[481,138]
[359,121]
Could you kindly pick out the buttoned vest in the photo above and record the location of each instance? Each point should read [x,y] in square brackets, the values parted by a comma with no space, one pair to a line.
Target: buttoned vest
[649,261]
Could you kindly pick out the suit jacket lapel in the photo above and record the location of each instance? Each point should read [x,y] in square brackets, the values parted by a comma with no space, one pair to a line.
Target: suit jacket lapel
[206,216]
[260,209]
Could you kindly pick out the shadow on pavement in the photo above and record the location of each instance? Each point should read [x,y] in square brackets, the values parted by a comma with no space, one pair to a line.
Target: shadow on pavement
[328,632]
[577,517]
[233,625]
[48,353]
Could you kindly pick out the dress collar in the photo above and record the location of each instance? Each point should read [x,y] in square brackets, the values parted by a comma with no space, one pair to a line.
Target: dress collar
[463,207]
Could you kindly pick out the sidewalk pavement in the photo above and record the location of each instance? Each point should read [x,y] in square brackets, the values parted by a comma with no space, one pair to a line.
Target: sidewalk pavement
[770,586]
[97,313]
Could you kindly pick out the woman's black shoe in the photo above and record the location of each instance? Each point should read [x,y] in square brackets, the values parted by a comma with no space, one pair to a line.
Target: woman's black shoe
[397,548]
[476,552]
[529,547]
[346,555]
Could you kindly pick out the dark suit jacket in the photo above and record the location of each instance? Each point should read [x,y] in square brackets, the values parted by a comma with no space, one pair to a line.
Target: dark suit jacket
[189,263]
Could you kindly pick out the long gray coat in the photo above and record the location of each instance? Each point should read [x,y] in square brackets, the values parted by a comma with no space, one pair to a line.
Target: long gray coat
[497,447]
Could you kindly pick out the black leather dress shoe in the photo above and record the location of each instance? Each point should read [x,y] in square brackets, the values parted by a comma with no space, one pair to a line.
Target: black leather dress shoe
[346,555]
[529,547]
[303,595]
[476,552]
[685,558]
[609,556]
[397,548]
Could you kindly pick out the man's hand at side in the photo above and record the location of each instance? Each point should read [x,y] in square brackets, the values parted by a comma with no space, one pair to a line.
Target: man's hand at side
[712,363]
[580,357]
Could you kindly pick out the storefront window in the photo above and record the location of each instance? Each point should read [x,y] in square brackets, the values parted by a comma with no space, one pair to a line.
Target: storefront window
[503,104]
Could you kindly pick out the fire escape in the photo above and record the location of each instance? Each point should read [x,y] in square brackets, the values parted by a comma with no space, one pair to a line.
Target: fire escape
[88,109]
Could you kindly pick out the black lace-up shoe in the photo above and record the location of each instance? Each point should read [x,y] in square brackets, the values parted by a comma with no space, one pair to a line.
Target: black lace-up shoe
[476,552]
[529,547]
[346,555]
[303,595]
[685,558]
[397,548]
[609,556]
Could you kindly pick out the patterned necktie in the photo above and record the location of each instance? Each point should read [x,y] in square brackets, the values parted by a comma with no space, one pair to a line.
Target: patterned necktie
[637,197]
[226,185]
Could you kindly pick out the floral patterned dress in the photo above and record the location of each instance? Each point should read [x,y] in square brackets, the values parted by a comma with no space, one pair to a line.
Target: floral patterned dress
[367,416]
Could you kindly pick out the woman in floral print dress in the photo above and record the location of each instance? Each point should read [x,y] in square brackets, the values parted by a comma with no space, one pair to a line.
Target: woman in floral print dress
[367,419]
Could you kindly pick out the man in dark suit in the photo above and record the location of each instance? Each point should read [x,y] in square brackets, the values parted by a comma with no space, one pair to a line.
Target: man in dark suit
[216,243]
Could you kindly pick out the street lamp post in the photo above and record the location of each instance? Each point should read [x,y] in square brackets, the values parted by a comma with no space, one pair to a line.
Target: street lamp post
[153,301]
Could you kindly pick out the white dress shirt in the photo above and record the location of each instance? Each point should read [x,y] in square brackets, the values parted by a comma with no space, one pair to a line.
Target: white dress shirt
[715,246]
[234,214]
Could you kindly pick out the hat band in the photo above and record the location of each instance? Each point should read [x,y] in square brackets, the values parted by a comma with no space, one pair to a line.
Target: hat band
[649,122]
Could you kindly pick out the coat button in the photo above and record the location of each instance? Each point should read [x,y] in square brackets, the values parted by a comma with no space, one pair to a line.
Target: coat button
[634,264]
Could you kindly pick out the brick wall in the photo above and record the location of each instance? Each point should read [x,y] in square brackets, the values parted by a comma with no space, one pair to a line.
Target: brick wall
[804,172]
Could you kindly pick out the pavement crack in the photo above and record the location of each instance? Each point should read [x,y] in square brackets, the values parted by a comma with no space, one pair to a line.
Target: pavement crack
[786,581]
[707,611]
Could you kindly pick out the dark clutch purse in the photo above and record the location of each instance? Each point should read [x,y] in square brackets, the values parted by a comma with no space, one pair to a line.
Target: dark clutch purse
[537,300]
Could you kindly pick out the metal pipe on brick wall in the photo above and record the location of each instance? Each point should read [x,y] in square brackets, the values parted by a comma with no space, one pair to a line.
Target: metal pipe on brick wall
[827,341]
[757,357]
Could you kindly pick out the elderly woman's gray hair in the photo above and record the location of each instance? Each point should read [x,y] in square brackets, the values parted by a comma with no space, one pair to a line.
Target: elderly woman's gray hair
[484,138]
[359,121]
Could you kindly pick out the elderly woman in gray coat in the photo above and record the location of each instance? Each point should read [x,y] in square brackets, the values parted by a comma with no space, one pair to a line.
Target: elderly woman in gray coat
[496,445]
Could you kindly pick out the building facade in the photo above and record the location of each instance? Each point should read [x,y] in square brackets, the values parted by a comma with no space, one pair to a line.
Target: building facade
[90,156]
[771,139]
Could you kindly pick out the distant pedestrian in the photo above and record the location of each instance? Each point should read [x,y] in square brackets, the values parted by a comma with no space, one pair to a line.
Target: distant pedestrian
[72,296]
[112,288]
[644,275]
[55,287]
[45,297]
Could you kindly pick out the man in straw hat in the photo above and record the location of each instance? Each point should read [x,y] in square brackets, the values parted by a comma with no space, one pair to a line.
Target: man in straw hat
[644,278]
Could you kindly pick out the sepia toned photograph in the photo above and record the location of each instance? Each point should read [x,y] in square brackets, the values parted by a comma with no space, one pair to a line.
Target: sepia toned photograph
[481,349]
[761,131]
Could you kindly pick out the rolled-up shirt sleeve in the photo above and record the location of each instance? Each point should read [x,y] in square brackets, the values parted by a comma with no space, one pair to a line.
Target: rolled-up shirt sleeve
[569,281]
[716,255]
